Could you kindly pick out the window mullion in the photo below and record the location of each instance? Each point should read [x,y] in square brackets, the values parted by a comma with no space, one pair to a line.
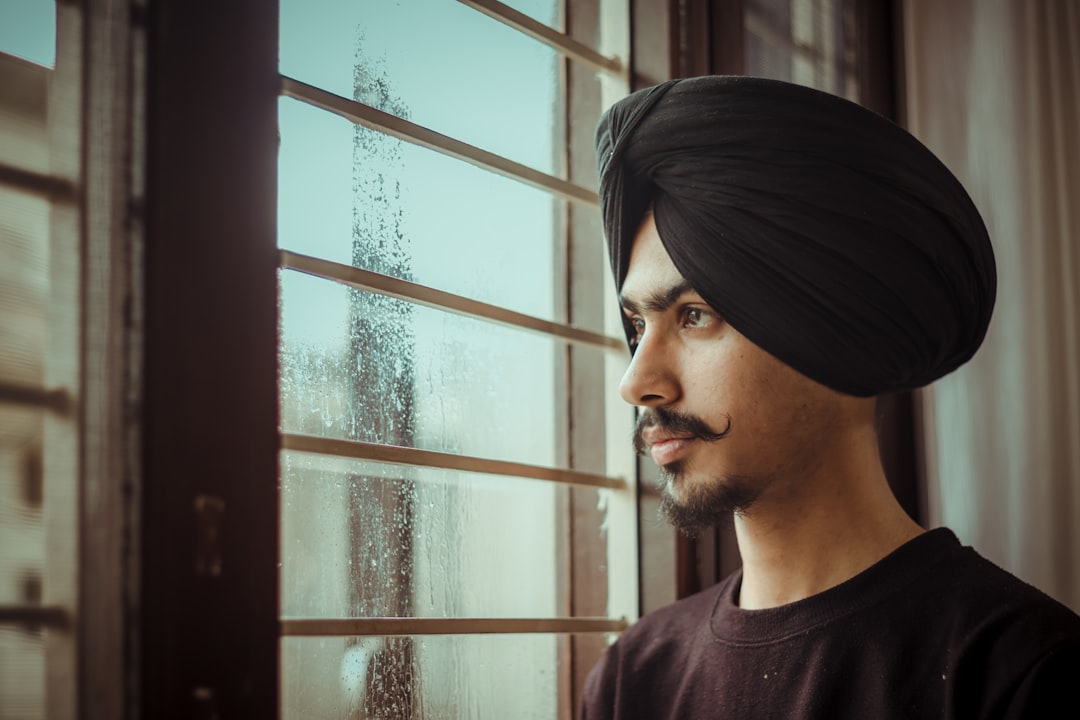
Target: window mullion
[398,455]
[430,297]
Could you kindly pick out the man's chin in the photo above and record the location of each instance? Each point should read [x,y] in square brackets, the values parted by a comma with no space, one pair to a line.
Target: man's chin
[693,504]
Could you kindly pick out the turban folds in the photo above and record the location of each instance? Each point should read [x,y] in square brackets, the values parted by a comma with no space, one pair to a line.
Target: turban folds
[824,233]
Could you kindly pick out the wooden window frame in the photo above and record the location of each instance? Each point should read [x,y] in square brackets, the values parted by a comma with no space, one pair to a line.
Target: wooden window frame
[208,643]
[178,589]
[92,389]
[209,627]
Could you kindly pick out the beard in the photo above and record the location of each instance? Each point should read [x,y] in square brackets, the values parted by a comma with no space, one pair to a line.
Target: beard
[692,508]
[708,502]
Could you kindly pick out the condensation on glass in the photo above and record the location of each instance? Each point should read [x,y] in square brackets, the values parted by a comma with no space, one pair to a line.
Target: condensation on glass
[366,539]
[479,676]
[400,374]
[428,218]
[478,545]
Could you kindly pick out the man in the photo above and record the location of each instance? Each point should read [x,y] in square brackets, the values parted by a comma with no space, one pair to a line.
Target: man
[782,257]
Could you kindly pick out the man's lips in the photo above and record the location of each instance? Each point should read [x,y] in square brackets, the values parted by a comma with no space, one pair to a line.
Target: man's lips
[666,449]
[667,434]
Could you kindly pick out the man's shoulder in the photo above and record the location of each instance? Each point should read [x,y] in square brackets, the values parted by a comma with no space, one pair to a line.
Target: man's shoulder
[980,591]
[935,626]
[1013,646]
[989,607]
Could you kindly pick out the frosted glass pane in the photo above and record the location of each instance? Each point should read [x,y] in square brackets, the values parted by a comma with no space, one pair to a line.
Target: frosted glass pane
[437,63]
[468,677]
[358,366]
[356,196]
[367,539]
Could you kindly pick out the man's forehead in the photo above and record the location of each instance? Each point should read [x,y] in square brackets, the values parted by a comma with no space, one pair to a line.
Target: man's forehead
[652,281]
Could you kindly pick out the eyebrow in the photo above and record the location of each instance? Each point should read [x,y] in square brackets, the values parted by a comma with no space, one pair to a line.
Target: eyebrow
[659,300]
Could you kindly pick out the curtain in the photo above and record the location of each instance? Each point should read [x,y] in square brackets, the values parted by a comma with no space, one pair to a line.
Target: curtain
[993,87]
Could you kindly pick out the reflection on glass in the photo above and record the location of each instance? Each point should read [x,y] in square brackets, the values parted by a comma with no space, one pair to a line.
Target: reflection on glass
[453,70]
[804,43]
[480,677]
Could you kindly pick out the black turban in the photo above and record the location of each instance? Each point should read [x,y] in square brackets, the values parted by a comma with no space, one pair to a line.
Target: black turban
[824,233]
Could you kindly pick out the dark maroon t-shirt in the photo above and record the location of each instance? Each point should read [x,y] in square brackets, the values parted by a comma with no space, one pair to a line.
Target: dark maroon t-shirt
[931,631]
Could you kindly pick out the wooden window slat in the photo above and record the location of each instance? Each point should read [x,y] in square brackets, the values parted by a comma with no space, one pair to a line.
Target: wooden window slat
[30,181]
[397,455]
[341,627]
[39,397]
[394,126]
[537,30]
[429,297]
[30,615]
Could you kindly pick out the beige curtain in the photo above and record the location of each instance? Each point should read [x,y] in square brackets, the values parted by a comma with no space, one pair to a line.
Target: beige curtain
[993,87]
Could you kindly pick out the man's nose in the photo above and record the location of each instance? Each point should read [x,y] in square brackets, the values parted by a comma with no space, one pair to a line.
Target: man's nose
[650,379]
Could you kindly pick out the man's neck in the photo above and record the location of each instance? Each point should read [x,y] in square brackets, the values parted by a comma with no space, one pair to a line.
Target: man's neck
[813,533]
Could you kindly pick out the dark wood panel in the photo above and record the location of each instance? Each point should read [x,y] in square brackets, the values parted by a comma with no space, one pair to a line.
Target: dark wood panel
[209,643]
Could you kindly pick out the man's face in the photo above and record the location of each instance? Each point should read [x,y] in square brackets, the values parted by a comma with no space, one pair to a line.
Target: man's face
[728,424]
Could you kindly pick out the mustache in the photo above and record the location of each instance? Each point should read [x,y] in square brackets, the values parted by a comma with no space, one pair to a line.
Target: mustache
[675,423]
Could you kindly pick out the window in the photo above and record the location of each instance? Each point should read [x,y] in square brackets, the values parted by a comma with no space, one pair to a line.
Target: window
[810,42]
[453,519]
[445,368]
[39,334]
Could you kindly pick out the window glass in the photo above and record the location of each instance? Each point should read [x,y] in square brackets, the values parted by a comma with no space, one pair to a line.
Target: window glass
[437,63]
[402,374]
[545,11]
[810,42]
[356,196]
[367,539]
[478,676]
[478,545]
[24,335]
[28,30]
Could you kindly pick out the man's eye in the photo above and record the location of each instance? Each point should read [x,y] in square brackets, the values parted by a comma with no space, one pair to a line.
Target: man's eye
[635,329]
[694,317]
